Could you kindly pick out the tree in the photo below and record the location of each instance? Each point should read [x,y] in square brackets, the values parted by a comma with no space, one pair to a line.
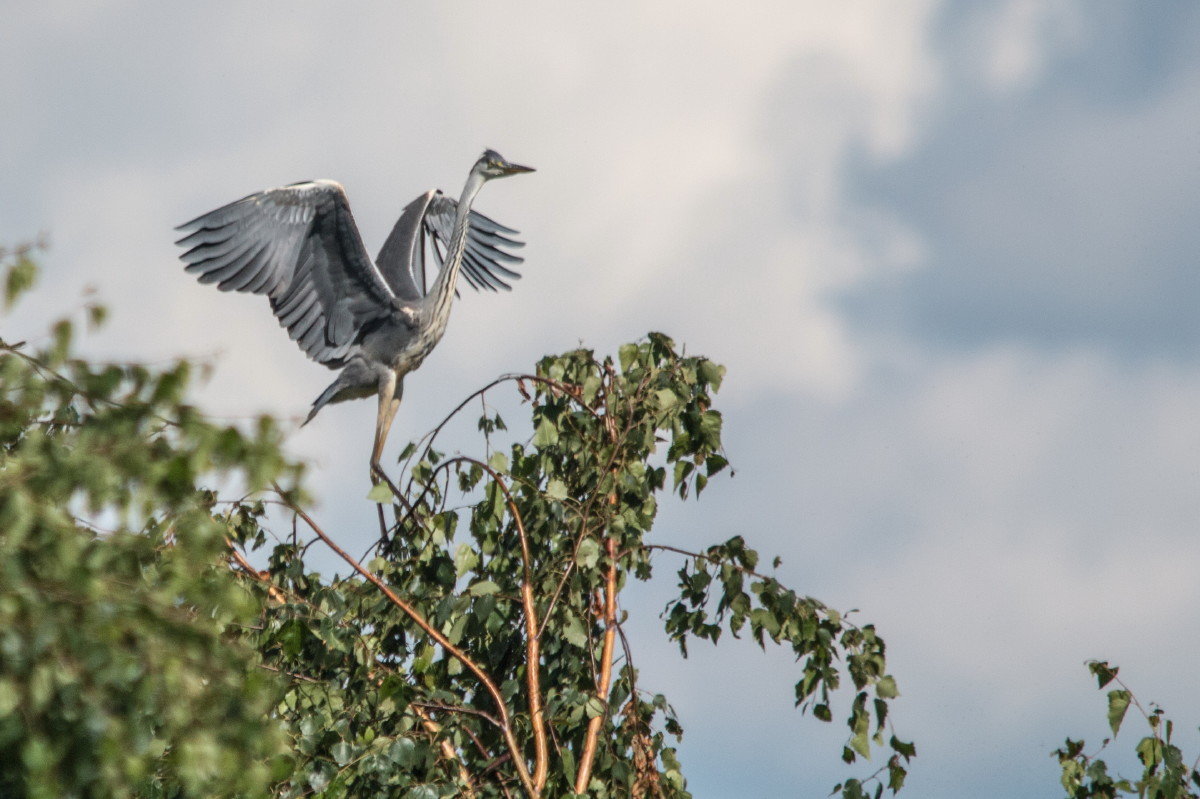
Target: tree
[479,652]
[124,668]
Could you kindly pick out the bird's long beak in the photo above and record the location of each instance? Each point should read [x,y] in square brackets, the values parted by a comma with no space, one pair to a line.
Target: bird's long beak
[516,169]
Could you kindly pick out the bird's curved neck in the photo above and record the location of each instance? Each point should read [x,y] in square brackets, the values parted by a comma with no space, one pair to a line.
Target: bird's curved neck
[443,288]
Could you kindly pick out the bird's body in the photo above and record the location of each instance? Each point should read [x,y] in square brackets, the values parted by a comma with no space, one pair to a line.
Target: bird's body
[373,321]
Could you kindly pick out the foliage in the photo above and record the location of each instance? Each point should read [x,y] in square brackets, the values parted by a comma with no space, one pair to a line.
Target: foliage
[479,652]
[123,666]
[527,670]
[1165,775]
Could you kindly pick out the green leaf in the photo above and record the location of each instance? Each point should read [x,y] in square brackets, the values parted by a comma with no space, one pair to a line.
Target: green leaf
[19,279]
[860,743]
[886,687]
[465,559]
[1150,751]
[1118,703]
[627,354]
[318,779]
[574,633]
[1103,672]
[711,373]
[97,314]
[556,489]
[588,553]
[421,792]
[342,752]
[483,588]
[546,434]
[594,707]
[381,493]
[403,752]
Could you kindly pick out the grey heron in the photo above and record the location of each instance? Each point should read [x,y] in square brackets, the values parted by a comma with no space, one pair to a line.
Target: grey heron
[372,320]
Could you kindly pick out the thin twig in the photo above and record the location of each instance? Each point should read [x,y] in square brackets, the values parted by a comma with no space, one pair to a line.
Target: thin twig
[46,371]
[426,441]
[469,711]
[240,559]
[379,472]
[292,674]
[709,558]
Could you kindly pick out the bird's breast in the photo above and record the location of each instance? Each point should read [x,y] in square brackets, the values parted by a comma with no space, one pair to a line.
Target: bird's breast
[405,340]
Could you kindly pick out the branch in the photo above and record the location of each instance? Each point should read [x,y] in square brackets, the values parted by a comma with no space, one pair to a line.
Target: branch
[603,683]
[611,467]
[435,730]
[436,635]
[426,441]
[468,711]
[533,655]
[292,674]
[562,388]
[380,473]
[710,559]
[75,388]
[272,590]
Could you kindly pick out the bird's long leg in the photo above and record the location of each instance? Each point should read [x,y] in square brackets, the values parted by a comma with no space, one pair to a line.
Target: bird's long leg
[390,389]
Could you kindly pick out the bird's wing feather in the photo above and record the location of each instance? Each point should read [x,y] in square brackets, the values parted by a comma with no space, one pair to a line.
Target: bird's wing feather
[485,255]
[298,245]
[429,219]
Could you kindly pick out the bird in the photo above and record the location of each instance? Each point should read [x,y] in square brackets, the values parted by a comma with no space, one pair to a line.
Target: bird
[372,320]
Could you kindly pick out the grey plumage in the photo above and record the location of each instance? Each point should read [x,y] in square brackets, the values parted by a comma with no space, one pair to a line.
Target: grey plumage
[374,320]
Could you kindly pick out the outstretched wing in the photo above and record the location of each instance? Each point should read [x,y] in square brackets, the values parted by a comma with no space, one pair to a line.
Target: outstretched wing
[402,257]
[429,219]
[298,245]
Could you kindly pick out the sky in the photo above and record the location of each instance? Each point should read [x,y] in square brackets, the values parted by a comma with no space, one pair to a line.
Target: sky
[945,249]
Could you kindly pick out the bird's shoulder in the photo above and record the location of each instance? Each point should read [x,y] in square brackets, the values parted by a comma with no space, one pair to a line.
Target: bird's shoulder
[409,314]
[306,191]
[320,184]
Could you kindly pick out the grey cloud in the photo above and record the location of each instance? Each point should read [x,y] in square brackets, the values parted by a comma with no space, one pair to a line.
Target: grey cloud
[1060,216]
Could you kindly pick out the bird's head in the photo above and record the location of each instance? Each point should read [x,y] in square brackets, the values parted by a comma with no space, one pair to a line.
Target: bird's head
[493,165]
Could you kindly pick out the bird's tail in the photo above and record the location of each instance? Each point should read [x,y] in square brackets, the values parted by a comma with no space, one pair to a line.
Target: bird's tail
[320,402]
[355,381]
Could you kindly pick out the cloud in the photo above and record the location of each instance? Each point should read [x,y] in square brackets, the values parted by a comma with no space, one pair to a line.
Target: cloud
[1001,517]
[1058,216]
